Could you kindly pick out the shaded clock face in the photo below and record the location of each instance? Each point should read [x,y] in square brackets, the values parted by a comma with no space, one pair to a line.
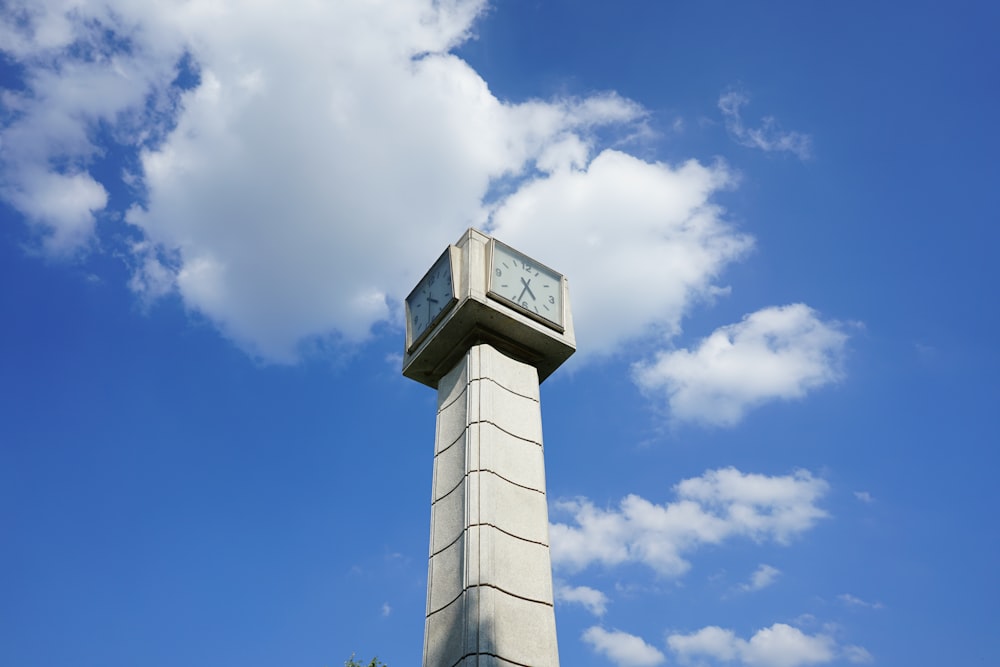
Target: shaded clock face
[432,296]
[533,288]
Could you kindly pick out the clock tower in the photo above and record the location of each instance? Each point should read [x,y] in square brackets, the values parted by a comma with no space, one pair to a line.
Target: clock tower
[484,327]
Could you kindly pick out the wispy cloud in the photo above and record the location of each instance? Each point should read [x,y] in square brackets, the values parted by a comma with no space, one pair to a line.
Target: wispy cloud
[623,649]
[856,602]
[857,655]
[709,509]
[768,136]
[763,576]
[775,353]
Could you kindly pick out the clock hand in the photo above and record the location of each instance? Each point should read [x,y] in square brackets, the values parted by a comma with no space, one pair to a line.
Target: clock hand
[527,289]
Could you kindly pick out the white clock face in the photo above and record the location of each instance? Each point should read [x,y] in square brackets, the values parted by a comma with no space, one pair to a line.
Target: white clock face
[532,287]
[430,298]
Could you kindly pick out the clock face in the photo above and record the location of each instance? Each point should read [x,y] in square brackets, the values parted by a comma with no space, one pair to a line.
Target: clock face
[432,296]
[533,288]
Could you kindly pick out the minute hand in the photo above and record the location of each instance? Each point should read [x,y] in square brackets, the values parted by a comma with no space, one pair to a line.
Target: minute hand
[527,289]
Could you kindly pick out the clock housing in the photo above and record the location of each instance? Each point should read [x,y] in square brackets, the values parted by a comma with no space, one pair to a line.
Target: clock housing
[495,315]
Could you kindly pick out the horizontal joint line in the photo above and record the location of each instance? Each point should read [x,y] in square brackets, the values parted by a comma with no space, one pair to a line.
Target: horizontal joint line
[490,472]
[496,588]
[494,655]
[501,428]
[486,525]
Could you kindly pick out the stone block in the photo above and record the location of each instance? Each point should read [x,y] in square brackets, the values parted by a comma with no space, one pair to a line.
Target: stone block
[517,630]
[454,383]
[512,375]
[448,518]
[450,467]
[453,632]
[513,509]
[519,461]
[446,575]
[513,413]
[452,420]
[514,566]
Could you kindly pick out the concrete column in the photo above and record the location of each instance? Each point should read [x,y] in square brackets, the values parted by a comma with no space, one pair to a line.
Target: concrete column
[489,582]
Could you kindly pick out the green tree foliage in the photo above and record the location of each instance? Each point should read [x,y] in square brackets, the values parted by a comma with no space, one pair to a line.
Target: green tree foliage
[351,662]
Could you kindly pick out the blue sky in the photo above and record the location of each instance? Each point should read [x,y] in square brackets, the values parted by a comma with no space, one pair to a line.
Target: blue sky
[771,448]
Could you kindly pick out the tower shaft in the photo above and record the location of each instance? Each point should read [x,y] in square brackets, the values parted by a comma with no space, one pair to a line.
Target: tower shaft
[489,582]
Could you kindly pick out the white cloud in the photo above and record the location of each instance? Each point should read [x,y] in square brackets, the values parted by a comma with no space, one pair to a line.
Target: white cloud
[763,576]
[768,137]
[777,646]
[591,599]
[63,203]
[784,646]
[328,151]
[621,648]
[325,155]
[864,496]
[709,641]
[709,509]
[380,160]
[774,353]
